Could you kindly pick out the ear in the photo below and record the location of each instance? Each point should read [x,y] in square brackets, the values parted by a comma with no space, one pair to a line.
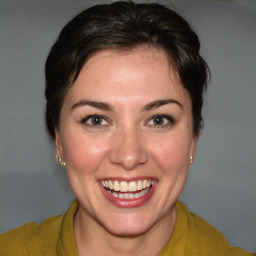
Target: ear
[192,151]
[58,145]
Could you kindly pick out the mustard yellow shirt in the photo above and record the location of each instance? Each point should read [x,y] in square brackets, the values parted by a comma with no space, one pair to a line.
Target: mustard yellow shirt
[192,236]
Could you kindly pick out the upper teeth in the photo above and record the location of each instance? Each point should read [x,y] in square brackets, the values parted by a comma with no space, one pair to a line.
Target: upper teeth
[124,186]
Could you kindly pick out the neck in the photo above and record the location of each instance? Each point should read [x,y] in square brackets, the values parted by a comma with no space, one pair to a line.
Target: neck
[89,234]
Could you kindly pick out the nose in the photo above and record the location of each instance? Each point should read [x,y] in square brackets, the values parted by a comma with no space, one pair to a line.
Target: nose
[128,150]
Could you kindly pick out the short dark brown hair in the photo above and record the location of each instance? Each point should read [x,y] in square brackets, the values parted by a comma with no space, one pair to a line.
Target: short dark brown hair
[124,25]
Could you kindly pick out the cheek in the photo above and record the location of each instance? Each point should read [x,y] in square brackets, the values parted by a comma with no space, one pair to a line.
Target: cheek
[171,153]
[84,154]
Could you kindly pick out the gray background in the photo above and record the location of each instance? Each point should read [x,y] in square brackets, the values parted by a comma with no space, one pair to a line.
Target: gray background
[221,184]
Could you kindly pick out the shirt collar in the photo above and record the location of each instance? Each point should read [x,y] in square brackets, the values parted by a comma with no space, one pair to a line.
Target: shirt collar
[66,245]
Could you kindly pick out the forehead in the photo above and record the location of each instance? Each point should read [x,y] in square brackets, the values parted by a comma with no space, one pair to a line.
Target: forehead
[128,74]
[137,57]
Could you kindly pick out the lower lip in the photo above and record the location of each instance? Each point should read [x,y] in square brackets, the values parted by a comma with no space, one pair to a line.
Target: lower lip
[128,203]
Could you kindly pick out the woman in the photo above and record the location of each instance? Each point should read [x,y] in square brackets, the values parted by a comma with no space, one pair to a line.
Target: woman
[124,85]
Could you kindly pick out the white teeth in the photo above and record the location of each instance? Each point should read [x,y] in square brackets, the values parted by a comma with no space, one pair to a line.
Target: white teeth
[142,193]
[131,196]
[126,195]
[139,185]
[132,186]
[144,184]
[124,186]
[110,184]
[116,186]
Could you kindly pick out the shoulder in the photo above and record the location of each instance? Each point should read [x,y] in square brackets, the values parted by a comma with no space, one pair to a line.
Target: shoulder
[31,238]
[202,237]
[14,241]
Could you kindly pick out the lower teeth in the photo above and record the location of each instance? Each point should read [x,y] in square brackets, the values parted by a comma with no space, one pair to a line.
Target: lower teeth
[129,195]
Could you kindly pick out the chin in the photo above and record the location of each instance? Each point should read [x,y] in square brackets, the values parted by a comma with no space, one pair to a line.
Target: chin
[127,230]
[126,226]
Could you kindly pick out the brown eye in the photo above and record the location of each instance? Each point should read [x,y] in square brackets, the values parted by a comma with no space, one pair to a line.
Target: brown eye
[94,120]
[160,120]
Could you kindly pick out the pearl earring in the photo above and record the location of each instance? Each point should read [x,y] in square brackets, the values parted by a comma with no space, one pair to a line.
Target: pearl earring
[191,159]
[60,161]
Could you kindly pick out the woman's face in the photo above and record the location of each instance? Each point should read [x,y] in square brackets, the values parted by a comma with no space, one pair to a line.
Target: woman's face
[126,137]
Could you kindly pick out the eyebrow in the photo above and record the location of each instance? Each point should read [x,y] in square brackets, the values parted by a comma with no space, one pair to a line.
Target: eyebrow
[159,103]
[106,106]
[95,104]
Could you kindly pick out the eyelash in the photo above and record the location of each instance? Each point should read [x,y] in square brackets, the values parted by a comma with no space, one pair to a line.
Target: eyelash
[169,119]
[100,117]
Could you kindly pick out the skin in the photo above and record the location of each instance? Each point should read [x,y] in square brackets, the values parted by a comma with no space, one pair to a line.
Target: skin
[127,144]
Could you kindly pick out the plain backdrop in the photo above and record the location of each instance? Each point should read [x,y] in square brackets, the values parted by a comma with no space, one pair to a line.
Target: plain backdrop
[221,184]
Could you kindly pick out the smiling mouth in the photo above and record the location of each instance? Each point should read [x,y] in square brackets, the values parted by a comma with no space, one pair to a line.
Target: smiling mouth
[127,190]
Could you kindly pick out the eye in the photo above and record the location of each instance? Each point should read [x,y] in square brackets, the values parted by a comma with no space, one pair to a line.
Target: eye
[160,120]
[95,120]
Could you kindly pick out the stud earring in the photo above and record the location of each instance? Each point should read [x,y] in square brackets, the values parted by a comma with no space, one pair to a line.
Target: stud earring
[60,161]
[191,159]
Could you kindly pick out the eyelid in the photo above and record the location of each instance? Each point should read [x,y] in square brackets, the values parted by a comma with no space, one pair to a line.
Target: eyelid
[168,117]
[85,119]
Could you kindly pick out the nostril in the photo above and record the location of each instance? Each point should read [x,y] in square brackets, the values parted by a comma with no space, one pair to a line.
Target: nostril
[128,149]
[129,159]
